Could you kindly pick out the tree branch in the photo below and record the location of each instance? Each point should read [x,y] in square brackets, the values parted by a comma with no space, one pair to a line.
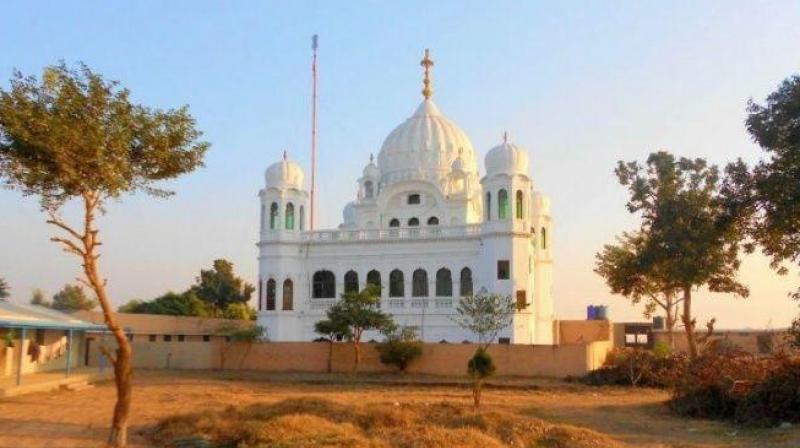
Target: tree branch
[70,246]
[58,222]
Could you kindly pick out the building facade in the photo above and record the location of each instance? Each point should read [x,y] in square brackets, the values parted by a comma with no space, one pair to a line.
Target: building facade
[425,226]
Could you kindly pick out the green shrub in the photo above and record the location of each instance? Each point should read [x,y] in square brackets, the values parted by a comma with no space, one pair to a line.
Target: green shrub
[400,348]
[662,349]
[481,365]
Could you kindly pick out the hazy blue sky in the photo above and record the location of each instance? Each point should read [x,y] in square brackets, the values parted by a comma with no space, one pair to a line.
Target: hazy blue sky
[580,84]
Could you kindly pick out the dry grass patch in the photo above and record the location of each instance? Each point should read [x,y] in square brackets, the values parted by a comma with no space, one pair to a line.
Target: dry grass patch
[308,422]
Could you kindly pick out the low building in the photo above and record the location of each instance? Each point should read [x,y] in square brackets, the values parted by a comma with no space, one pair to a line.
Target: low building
[35,340]
[166,328]
[160,341]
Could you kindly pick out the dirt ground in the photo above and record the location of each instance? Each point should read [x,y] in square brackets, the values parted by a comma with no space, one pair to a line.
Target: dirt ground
[634,416]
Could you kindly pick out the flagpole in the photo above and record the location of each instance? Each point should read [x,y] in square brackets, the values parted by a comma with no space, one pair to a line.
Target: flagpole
[314,46]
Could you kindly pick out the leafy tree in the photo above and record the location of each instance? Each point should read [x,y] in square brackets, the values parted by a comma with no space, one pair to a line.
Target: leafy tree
[358,312]
[72,298]
[240,311]
[37,298]
[75,136]
[234,333]
[621,267]
[774,184]
[485,315]
[174,304]
[400,348]
[480,367]
[332,331]
[4,289]
[220,287]
[691,228]
[132,306]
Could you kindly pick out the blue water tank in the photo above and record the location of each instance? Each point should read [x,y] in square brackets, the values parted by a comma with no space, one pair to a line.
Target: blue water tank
[591,312]
[601,313]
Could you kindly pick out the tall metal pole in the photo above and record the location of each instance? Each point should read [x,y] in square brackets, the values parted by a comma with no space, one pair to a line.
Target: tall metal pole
[314,46]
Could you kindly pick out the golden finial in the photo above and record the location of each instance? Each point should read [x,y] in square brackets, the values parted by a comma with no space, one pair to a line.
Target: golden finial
[427,63]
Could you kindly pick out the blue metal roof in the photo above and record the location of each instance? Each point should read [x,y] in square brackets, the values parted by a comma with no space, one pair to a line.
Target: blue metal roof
[14,315]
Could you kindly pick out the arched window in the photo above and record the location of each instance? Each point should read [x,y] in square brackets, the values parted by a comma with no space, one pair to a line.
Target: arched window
[351,282]
[374,278]
[369,189]
[488,206]
[288,295]
[502,204]
[466,282]
[396,284]
[273,215]
[324,285]
[413,222]
[433,221]
[302,217]
[419,285]
[270,295]
[543,236]
[519,204]
[394,222]
[289,216]
[444,283]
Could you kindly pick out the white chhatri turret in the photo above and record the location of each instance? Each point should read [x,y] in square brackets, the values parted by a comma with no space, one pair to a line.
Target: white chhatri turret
[284,198]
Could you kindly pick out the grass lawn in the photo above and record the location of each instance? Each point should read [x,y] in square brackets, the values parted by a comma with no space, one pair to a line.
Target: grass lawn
[373,411]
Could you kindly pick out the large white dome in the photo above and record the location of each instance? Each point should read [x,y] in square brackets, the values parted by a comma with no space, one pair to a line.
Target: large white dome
[285,174]
[424,147]
[506,158]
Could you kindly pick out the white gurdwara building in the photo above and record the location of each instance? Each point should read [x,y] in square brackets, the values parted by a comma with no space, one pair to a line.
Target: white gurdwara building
[425,226]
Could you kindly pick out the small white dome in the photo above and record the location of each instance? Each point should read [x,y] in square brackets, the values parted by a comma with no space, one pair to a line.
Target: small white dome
[349,214]
[285,174]
[424,146]
[506,158]
[458,166]
[371,170]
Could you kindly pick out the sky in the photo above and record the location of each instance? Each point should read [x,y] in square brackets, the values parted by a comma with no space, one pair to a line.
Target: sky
[580,84]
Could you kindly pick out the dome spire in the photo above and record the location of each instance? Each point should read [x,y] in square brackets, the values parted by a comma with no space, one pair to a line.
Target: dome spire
[505,136]
[427,63]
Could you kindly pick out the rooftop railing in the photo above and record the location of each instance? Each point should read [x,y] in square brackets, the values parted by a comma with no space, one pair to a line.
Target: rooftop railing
[396,233]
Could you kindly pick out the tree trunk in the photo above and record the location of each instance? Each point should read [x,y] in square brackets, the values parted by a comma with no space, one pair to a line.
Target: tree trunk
[357,361]
[689,323]
[670,321]
[476,392]
[123,371]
